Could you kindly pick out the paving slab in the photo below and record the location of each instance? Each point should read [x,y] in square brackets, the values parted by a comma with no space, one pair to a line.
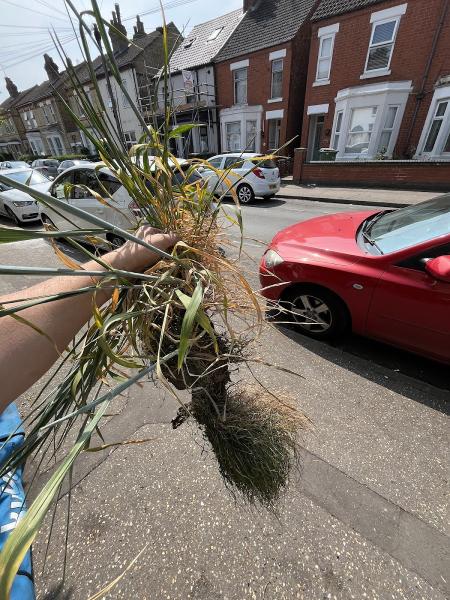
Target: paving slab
[168,498]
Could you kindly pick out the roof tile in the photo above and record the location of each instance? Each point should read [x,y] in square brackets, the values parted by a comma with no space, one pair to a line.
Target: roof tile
[330,8]
[269,23]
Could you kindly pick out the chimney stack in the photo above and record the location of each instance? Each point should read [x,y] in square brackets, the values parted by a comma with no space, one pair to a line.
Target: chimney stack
[11,87]
[119,42]
[139,30]
[249,4]
[51,67]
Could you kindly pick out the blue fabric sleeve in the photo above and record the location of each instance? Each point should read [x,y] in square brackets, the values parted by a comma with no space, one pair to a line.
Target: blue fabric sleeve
[12,499]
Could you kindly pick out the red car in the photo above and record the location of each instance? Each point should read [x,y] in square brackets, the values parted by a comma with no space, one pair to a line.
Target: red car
[384,275]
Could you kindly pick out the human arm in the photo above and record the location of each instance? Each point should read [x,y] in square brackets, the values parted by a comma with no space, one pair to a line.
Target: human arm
[25,354]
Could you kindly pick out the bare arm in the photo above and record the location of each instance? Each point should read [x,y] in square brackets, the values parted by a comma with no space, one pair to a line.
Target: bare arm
[26,355]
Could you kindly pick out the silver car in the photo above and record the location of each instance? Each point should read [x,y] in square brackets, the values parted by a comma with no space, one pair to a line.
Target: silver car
[68,164]
[14,164]
[47,166]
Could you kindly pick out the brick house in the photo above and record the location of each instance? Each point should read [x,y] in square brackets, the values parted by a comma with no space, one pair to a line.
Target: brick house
[13,142]
[378,88]
[261,76]
[192,86]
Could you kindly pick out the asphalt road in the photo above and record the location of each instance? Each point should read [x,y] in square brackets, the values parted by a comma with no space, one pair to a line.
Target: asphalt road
[366,516]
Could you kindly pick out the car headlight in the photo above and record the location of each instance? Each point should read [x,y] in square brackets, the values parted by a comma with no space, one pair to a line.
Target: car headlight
[272,259]
[27,203]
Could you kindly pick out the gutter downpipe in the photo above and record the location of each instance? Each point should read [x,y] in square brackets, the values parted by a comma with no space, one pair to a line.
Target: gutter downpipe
[421,94]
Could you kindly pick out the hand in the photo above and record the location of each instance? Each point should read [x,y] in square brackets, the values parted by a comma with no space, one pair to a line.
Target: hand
[134,257]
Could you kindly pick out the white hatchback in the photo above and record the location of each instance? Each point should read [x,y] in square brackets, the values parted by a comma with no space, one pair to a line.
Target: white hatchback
[243,172]
[19,206]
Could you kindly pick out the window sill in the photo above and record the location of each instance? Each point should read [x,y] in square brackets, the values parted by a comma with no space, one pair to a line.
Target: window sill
[272,100]
[372,74]
[320,83]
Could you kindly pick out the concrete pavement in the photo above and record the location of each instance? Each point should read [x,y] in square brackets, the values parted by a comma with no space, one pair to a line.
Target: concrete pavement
[365,517]
[356,196]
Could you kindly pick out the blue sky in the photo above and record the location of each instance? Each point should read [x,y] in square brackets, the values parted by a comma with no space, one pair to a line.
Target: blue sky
[24,29]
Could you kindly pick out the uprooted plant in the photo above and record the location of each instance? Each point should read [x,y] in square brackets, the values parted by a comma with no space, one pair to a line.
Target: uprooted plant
[189,320]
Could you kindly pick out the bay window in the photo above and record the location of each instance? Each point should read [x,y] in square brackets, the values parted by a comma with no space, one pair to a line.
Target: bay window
[368,119]
[435,139]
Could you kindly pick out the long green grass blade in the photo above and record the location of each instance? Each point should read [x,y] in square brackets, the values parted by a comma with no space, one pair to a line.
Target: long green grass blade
[187,326]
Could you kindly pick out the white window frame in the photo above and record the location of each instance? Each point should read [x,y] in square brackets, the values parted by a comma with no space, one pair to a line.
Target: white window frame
[242,114]
[383,96]
[227,146]
[323,34]
[279,97]
[441,94]
[379,18]
[235,72]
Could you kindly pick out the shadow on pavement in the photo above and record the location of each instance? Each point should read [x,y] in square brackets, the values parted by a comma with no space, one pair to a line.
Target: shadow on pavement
[259,203]
[348,352]
[58,593]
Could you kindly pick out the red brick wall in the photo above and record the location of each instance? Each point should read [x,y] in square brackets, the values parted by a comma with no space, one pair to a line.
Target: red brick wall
[411,53]
[405,175]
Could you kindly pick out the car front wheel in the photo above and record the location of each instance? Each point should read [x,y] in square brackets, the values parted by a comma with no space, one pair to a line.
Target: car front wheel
[245,194]
[317,312]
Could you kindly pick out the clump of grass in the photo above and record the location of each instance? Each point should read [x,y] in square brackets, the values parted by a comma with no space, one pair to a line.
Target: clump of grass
[254,438]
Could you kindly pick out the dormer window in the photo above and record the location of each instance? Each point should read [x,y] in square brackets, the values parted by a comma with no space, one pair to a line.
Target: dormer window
[215,34]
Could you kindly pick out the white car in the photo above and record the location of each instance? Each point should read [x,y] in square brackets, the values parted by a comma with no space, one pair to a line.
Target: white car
[14,164]
[67,164]
[244,173]
[123,211]
[19,206]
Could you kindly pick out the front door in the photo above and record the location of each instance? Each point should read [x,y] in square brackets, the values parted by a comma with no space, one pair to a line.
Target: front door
[315,137]
[412,309]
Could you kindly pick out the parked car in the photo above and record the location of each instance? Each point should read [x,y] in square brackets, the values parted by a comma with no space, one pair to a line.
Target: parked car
[67,164]
[243,172]
[93,175]
[385,275]
[17,205]
[14,164]
[47,166]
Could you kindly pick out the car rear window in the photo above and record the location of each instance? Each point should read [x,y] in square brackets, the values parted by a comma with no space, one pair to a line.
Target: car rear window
[267,164]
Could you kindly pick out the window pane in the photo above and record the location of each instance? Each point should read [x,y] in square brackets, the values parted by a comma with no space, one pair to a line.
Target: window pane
[216,162]
[323,72]
[277,81]
[233,134]
[251,136]
[336,141]
[339,122]
[361,127]
[432,136]
[441,109]
[390,117]
[240,86]
[384,141]
[232,162]
[383,33]
[379,57]
[325,50]
[447,145]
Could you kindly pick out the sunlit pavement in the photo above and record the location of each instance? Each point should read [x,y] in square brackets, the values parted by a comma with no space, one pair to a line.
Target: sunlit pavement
[365,517]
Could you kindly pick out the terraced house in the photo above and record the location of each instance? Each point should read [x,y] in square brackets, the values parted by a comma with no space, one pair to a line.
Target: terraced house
[378,93]
[13,142]
[261,75]
[192,86]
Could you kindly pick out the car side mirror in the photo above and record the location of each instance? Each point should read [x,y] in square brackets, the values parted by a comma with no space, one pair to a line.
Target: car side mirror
[439,268]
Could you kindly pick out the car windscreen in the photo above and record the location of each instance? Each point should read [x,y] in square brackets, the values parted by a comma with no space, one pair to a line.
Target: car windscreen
[24,177]
[18,164]
[413,225]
